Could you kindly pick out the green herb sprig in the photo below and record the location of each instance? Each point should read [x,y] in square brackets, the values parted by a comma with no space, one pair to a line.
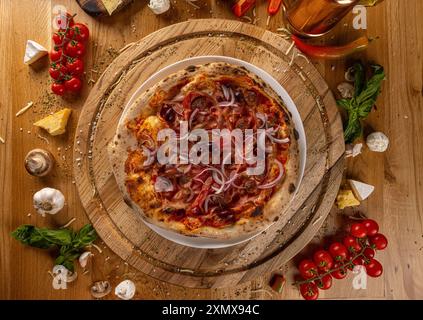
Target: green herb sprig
[71,244]
[365,96]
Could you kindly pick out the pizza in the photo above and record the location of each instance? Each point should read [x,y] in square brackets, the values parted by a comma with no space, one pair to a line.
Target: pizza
[209,151]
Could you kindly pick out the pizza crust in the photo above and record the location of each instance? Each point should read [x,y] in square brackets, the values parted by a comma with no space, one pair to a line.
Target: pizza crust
[123,141]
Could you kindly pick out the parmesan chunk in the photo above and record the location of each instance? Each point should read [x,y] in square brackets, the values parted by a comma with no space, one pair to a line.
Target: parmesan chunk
[361,190]
[345,199]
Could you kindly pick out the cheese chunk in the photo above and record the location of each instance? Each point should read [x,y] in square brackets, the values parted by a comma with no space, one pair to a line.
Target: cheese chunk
[361,190]
[345,199]
[55,124]
[33,52]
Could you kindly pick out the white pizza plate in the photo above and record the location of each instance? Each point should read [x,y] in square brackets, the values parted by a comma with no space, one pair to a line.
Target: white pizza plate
[206,243]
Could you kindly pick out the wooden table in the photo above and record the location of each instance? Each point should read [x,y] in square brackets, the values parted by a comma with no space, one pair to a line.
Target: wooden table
[396,203]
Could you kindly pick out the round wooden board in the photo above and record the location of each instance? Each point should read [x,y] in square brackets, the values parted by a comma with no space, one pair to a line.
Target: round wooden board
[124,232]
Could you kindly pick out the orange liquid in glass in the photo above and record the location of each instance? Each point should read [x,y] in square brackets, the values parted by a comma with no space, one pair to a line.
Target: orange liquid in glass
[316,17]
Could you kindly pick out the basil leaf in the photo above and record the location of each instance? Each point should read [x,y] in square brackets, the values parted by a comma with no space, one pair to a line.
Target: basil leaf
[42,238]
[84,237]
[372,89]
[359,78]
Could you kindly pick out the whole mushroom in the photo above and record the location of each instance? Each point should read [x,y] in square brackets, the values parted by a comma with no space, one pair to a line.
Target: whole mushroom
[39,162]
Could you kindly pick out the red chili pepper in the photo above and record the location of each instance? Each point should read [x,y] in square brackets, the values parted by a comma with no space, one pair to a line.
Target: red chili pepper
[274,6]
[242,6]
[331,52]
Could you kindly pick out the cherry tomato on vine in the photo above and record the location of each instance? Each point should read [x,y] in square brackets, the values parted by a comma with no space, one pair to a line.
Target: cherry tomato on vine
[75,66]
[358,230]
[57,71]
[369,253]
[309,291]
[74,84]
[338,251]
[55,54]
[75,49]
[324,283]
[359,261]
[58,88]
[57,39]
[339,271]
[81,32]
[352,245]
[374,268]
[323,260]
[308,269]
[371,226]
[378,241]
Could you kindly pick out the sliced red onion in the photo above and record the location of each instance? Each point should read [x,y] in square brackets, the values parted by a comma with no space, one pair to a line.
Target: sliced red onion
[179,98]
[191,118]
[276,181]
[163,184]
[191,196]
[149,155]
[184,168]
[230,102]
[276,140]
[179,109]
[263,118]
[226,93]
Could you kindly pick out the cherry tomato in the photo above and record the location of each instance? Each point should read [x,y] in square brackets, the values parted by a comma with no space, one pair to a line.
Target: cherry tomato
[371,226]
[55,54]
[75,49]
[374,268]
[323,260]
[338,251]
[57,39]
[378,241]
[369,253]
[339,272]
[308,269]
[81,32]
[58,88]
[75,66]
[74,84]
[358,230]
[352,245]
[57,71]
[359,261]
[309,291]
[324,283]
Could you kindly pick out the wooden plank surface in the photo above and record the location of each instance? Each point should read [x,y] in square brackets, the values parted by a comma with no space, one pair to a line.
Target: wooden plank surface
[397,175]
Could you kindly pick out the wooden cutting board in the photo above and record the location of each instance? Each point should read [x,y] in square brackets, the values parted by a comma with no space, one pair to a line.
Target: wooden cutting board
[124,232]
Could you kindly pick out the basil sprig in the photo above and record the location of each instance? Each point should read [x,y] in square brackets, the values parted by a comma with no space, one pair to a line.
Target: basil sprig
[365,96]
[71,244]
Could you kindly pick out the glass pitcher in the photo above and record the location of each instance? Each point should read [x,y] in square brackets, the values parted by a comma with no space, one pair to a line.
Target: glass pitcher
[313,18]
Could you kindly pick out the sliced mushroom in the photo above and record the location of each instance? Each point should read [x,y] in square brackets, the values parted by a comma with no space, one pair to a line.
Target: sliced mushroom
[125,290]
[39,162]
[100,289]
[67,275]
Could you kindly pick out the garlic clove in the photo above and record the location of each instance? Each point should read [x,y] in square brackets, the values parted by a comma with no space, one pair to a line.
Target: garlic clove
[39,162]
[83,258]
[125,290]
[377,142]
[48,201]
[100,289]
[346,90]
[159,6]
